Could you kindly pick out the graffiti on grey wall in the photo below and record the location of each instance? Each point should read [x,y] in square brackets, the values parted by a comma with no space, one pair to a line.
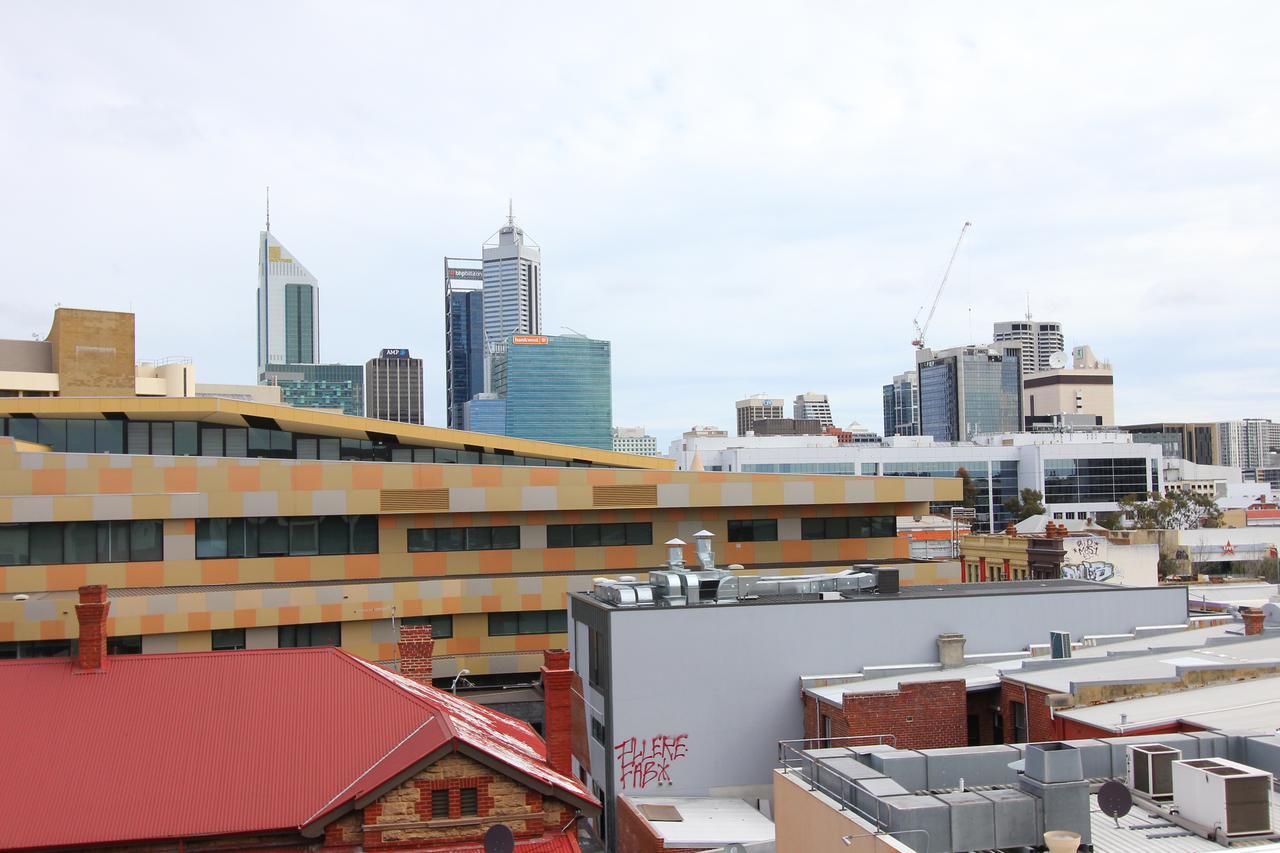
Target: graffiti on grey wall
[647,761]
[1091,571]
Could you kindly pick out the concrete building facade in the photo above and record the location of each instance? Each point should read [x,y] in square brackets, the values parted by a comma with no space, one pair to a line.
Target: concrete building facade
[634,440]
[757,407]
[393,387]
[512,273]
[813,406]
[1039,339]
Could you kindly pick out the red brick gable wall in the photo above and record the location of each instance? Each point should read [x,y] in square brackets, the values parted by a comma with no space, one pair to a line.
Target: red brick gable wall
[402,817]
[1040,727]
[921,715]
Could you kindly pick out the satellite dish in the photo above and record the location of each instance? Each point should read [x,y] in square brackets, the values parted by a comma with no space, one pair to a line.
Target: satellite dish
[1058,360]
[500,839]
[1115,800]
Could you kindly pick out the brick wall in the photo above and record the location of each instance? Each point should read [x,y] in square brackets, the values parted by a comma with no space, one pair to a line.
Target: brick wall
[402,817]
[1039,725]
[635,835]
[923,715]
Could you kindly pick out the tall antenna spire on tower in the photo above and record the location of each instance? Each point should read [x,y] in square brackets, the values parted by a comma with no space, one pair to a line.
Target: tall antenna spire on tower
[511,216]
[268,208]
[1028,306]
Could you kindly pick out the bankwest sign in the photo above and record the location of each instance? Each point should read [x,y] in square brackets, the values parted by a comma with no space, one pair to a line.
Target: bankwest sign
[529,339]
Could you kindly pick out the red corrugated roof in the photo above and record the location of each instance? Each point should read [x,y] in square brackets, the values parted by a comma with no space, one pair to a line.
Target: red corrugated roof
[219,743]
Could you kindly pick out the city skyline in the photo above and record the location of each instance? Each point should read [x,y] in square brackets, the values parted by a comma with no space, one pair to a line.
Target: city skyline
[672,208]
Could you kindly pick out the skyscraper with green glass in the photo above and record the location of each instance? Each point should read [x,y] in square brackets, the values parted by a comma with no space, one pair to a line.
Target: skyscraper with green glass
[288,307]
[557,388]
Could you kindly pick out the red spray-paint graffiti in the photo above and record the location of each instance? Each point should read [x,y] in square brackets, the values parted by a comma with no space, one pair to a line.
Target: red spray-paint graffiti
[643,762]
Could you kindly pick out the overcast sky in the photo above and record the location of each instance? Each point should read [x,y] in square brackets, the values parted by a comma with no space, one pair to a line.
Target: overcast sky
[741,197]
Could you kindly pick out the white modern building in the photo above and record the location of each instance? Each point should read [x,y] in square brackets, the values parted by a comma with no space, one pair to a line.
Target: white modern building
[634,440]
[1040,339]
[757,407]
[288,307]
[812,406]
[1079,474]
[1250,443]
[512,270]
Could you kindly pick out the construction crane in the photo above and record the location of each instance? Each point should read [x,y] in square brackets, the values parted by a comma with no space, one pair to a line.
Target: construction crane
[918,343]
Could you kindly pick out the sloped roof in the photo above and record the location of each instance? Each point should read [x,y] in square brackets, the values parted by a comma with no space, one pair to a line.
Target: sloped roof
[220,743]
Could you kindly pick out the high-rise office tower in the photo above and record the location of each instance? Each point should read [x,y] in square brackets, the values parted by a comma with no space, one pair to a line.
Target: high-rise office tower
[1039,339]
[902,405]
[812,406]
[393,387]
[512,284]
[757,407]
[557,388]
[288,307]
[464,360]
[965,391]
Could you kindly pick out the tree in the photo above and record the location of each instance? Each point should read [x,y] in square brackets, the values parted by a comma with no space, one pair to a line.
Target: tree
[968,488]
[1110,520]
[1028,503]
[1175,511]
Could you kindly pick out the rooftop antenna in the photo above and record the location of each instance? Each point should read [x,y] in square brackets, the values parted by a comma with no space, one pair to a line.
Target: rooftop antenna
[268,208]
[1028,306]
[511,216]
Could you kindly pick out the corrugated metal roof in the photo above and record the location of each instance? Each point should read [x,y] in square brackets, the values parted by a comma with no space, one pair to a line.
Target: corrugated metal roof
[211,743]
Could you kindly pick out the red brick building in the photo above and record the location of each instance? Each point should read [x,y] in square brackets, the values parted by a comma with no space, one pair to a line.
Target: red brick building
[284,749]
[918,715]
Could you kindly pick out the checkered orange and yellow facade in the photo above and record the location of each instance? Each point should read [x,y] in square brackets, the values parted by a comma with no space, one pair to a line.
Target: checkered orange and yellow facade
[175,603]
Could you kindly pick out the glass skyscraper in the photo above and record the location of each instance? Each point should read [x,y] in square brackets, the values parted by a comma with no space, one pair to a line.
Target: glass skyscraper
[557,388]
[902,405]
[463,337]
[968,391]
[339,387]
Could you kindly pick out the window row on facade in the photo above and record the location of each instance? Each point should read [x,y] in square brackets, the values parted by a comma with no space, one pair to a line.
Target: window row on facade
[300,536]
[192,438]
[852,527]
[464,538]
[599,535]
[54,542]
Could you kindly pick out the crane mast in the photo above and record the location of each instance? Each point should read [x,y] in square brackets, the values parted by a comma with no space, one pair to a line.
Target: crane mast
[918,343]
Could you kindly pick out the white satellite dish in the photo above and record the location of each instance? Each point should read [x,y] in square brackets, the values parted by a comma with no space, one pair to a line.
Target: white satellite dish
[1058,360]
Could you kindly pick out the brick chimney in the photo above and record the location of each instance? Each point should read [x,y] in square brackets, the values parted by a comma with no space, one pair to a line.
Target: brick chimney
[557,698]
[1011,531]
[1253,619]
[91,613]
[415,647]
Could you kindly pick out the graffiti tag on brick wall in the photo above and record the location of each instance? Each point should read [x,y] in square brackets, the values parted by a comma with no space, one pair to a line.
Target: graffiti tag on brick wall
[647,761]
[1088,549]
[1092,571]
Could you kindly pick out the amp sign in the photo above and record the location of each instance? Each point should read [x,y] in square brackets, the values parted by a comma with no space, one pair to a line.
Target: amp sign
[395,353]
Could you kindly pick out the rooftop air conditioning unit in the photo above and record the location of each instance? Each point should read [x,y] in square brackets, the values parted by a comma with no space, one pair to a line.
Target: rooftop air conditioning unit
[1149,769]
[1229,797]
